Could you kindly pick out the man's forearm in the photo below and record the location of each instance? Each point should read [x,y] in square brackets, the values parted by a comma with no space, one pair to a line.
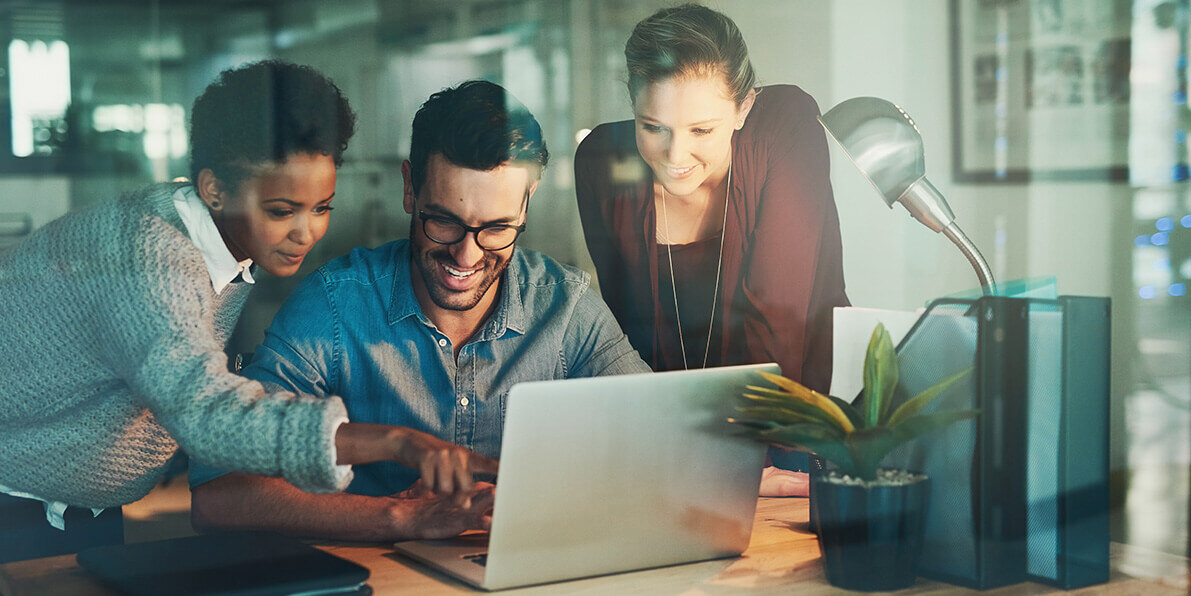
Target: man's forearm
[244,502]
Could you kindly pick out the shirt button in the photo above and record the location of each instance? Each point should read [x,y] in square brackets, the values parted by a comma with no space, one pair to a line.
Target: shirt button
[442,342]
[463,402]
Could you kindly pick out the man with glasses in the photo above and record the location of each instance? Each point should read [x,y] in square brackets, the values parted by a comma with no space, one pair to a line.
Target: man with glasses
[429,332]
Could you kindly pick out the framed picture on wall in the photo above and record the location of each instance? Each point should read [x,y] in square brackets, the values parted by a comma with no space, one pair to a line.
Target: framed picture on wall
[1040,89]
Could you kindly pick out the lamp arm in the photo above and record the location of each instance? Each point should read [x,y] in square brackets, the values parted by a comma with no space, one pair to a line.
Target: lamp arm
[956,235]
[928,206]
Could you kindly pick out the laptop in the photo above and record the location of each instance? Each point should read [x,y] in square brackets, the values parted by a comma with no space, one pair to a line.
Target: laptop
[610,474]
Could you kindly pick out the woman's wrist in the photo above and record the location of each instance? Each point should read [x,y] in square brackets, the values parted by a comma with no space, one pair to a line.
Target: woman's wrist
[362,443]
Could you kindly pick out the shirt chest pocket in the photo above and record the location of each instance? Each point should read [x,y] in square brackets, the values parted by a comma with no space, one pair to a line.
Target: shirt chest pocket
[503,382]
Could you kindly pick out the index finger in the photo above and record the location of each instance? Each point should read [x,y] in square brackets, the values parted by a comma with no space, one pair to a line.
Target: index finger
[478,464]
[463,479]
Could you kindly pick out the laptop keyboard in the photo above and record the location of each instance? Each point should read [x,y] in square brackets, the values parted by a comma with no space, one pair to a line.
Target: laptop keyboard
[480,559]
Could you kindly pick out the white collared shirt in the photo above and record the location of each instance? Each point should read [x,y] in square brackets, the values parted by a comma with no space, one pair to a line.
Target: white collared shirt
[200,228]
[53,509]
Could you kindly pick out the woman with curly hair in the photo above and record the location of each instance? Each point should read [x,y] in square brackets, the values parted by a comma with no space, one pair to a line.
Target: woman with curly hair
[116,317]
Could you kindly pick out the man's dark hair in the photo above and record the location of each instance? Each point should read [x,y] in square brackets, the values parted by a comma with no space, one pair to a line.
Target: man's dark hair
[264,112]
[479,126]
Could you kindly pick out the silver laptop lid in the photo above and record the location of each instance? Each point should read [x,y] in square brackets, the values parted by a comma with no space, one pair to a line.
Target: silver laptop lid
[610,474]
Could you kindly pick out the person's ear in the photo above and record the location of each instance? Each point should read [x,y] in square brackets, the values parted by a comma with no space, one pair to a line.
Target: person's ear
[742,112]
[210,190]
[533,187]
[409,197]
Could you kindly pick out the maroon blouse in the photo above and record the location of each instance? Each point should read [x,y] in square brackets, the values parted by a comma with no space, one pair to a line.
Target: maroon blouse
[782,263]
[694,279]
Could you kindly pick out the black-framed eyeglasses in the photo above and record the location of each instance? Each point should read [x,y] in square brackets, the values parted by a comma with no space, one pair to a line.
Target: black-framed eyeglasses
[446,230]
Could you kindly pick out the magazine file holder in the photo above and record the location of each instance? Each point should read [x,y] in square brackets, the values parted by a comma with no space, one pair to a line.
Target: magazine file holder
[1019,493]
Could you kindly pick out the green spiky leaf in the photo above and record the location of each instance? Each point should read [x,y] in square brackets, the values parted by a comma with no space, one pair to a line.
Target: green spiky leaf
[811,397]
[868,447]
[779,415]
[751,426]
[880,376]
[792,403]
[916,403]
[916,426]
[813,438]
[759,400]
[850,410]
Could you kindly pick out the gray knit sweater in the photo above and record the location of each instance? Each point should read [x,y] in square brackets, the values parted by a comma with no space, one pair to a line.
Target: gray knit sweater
[111,349]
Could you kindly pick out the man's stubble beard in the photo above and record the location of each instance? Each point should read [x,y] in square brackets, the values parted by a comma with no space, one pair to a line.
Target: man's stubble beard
[427,261]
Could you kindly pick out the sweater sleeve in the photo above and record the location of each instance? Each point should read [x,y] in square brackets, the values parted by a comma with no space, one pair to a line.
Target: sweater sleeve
[297,356]
[794,268]
[161,338]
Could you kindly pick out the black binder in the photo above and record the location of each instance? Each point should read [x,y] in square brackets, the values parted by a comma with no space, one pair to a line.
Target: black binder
[1021,492]
[1081,489]
[242,563]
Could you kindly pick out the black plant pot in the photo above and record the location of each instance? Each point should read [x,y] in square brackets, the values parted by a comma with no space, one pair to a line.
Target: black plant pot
[870,538]
[817,471]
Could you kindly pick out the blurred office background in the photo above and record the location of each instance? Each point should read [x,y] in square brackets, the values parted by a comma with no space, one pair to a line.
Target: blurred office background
[1056,128]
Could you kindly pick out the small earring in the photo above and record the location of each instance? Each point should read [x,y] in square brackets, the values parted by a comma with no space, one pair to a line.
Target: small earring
[215,204]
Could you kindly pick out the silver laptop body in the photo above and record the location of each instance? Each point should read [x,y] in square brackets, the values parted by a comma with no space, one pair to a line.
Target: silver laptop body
[612,474]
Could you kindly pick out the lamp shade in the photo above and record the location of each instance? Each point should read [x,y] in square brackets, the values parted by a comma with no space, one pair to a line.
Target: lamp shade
[885,145]
[881,139]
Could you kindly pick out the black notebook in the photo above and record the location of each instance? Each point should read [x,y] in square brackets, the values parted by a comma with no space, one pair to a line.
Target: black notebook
[241,563]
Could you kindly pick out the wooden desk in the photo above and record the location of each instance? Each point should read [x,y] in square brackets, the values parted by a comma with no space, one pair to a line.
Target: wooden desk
[781,557]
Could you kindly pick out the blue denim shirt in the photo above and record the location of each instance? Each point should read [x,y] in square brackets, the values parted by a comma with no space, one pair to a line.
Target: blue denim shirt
[354,329]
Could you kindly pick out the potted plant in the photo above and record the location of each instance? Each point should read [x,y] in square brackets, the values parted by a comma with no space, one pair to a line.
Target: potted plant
[869,521]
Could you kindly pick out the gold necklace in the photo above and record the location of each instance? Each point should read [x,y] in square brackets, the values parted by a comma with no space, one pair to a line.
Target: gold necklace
[674,284]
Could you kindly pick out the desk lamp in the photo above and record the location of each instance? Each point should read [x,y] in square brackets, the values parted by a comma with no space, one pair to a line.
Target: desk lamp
[883,142]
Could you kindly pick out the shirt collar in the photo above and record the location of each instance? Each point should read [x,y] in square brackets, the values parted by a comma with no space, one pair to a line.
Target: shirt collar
[509,313]
[403,303]
[200,228]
